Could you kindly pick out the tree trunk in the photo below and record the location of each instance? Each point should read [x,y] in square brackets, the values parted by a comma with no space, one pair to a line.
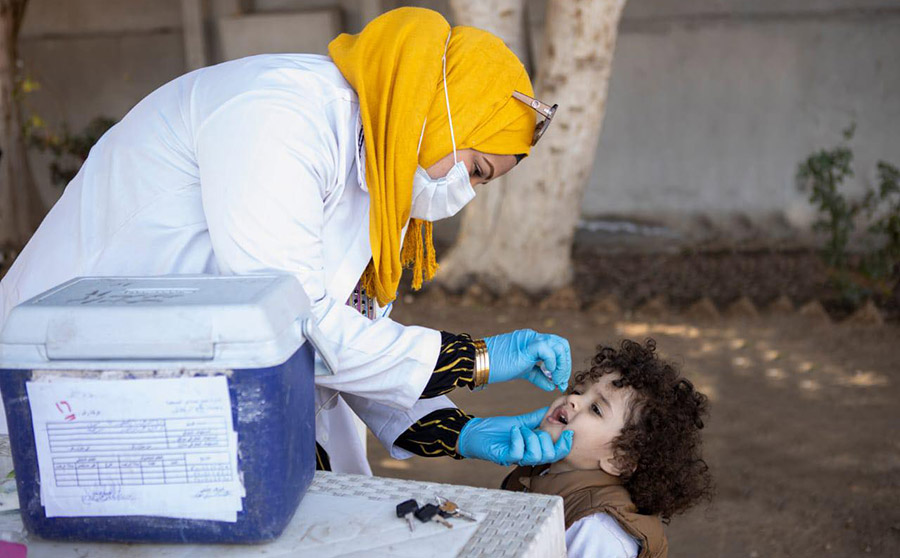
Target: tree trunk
[521,232]
[21,209]
[504,18]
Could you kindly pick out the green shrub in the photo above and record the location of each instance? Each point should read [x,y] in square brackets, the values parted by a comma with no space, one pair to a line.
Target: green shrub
[69,149]
[876,270]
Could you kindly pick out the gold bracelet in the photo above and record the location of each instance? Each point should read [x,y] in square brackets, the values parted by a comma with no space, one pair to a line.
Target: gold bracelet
[482,364]
[483,367]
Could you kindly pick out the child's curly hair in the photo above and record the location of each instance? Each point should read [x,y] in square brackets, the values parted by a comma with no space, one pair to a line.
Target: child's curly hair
[659,447]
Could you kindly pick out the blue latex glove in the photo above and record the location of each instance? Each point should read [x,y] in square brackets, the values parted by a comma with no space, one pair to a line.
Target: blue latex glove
[516,355]
[512,440]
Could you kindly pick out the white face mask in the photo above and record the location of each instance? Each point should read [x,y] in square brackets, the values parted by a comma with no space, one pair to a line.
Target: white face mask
[439,198]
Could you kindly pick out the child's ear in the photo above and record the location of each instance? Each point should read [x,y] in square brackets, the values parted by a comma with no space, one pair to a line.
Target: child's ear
[616,467]
[608,467]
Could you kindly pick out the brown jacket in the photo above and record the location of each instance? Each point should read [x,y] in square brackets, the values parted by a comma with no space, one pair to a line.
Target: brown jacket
[585,493]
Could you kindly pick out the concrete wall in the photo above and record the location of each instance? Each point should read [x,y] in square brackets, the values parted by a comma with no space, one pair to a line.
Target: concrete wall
[100,57]
[712,102]
[96,57]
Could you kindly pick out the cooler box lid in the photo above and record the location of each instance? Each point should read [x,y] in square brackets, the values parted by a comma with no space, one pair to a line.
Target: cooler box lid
[187,321]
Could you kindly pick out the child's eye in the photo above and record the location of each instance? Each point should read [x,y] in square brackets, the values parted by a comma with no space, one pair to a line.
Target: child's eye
[596,409]
[576,392]
[478,172]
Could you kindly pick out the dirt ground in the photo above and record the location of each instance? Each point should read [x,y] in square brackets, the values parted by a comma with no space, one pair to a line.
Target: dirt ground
[804,434]
[803,438]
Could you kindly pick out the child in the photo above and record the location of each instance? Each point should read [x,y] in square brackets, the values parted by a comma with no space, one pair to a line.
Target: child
[635,459]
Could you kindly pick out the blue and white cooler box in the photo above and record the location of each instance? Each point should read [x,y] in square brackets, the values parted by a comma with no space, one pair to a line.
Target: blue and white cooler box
[161,409]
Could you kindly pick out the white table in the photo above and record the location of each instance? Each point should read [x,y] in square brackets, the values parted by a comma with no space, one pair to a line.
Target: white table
[510,525]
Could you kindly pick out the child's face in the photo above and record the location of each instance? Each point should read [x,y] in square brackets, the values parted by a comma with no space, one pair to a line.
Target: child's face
[596,412]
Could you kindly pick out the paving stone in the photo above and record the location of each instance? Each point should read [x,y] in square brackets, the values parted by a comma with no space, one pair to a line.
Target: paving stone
[517,298]
[742,308]
[781,306]
[655,308]
[476,295]
[433,295]
[814,312]
[702,310]
[562,299]
[867,314]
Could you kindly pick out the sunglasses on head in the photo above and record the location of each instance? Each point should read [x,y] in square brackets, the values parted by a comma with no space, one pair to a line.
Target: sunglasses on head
[543,109]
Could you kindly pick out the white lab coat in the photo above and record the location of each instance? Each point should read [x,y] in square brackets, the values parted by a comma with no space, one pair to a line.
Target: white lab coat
[248,166]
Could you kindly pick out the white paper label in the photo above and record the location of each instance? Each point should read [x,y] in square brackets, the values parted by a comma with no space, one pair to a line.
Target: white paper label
[158,447]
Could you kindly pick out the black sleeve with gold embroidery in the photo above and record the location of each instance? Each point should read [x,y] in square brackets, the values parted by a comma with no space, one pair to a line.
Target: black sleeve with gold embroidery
[323,463]
[435,434]
[455,365]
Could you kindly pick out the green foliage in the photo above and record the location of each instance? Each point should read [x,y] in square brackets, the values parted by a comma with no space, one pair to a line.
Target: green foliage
[885,205]
[877,269]
[69,150]
[822,173]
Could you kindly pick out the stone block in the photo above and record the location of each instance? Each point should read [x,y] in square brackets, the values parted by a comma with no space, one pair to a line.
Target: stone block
[781,306]
[702,310]
[867,314]
[742,308]
[814,312]
[655,308]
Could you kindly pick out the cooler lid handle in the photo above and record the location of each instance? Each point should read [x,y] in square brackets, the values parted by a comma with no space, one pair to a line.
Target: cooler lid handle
[126,340]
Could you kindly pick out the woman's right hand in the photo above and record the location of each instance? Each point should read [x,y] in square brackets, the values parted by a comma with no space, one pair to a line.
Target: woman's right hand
[518,354]
[512,440]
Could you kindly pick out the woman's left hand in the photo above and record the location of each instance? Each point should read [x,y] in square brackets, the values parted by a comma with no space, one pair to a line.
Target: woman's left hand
[518,354]
[512,440]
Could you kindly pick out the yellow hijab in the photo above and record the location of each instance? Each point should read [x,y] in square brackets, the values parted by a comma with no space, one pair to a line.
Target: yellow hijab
[395,66]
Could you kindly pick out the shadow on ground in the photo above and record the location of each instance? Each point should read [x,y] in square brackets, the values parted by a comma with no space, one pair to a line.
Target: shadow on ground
[803,440]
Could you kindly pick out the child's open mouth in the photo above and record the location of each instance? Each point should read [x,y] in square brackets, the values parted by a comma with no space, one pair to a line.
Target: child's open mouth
[559,415]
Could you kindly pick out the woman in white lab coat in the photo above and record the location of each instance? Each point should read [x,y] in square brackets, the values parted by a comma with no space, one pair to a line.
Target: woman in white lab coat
[313,165]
